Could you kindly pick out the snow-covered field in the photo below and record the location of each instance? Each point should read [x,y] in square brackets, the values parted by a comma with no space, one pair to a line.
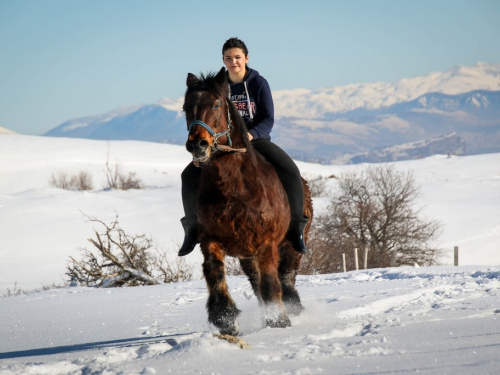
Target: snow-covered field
[433,320]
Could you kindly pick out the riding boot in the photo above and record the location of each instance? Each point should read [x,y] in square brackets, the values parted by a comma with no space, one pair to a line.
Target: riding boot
[296,233]
[190,235]
[190,184]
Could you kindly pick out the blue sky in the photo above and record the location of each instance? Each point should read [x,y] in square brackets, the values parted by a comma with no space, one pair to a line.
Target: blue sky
[62,59]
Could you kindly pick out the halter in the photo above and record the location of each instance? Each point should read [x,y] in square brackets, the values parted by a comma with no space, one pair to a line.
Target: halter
[215,145]
[214,134]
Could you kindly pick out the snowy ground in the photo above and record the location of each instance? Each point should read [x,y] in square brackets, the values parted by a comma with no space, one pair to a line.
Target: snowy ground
[436,320]
[433,320]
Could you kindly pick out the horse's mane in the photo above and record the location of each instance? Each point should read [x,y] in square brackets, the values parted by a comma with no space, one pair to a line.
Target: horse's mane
[209,83]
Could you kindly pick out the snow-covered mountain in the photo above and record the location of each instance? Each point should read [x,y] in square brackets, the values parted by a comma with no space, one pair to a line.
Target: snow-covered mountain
[319,103]
[6,131]
[325,124]
[449,144]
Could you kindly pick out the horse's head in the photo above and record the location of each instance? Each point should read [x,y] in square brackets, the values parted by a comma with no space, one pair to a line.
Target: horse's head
[208,117]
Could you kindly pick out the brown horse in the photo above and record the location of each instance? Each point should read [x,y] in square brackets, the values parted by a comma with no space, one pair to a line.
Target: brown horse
[243,209]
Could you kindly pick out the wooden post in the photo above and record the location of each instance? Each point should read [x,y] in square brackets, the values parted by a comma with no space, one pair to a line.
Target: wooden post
[393,258]
[356,263]
[365,260]
[456,256]
[343,263]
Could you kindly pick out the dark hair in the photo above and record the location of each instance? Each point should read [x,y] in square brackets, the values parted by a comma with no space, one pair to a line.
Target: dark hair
[234,43]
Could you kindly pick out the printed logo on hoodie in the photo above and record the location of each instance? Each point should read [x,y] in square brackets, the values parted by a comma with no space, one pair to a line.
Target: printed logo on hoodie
[241,103]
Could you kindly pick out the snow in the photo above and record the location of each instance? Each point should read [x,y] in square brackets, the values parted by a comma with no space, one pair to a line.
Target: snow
[433,320]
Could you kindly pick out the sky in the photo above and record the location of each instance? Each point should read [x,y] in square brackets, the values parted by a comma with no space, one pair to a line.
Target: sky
[63,59]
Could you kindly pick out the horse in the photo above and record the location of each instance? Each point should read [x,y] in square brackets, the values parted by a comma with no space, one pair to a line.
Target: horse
[242,208]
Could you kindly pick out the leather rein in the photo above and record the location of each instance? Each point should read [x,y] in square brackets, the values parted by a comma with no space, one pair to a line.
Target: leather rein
[215,146]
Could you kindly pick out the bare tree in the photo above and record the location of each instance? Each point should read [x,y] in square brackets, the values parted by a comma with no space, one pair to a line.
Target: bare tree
[374,209]
[317,186]
[124,260]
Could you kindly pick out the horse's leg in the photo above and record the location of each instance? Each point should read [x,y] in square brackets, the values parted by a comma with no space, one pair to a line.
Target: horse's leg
[289,264]
[222,311]
[270,287]
[248,266]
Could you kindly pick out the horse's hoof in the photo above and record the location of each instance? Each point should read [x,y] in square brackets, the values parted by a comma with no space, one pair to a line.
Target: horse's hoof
[283,322]
[230,329]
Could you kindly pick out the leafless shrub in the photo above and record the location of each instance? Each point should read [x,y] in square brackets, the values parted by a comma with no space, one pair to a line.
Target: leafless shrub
[117,180]
[317,186]
[172,273]
[124,260]
[80,181]
[374,209]
[61,181]
[16,291]
[233,267]
[55,286]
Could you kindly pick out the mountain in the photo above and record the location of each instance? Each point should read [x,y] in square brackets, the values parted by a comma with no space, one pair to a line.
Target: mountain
[6,131]
[323,125]
[472,116]
[450,144]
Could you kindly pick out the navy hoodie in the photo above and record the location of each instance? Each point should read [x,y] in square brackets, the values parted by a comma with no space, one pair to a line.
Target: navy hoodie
[252,98]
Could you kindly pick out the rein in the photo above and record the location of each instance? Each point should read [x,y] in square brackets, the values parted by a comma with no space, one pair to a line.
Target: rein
[215,146]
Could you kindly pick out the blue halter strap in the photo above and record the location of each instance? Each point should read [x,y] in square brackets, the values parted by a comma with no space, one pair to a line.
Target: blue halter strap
[214,134]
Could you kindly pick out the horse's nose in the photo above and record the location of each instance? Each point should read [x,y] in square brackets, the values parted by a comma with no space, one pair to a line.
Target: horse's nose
[197,145]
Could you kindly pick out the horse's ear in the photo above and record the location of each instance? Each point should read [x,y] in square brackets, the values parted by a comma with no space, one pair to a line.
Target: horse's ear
[221,77]
[191,79]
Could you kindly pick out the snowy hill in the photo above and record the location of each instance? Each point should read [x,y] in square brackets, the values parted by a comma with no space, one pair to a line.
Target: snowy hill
[462,192]
[324,124]
[430,320]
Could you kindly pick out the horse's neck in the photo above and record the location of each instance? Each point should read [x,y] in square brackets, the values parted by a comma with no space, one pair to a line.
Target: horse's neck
[229,172]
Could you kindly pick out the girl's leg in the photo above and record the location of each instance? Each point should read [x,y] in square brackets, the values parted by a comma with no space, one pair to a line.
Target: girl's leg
[290,177]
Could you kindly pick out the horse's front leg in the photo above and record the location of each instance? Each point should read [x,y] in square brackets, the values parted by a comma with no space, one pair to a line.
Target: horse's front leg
[222,311]
[270,287]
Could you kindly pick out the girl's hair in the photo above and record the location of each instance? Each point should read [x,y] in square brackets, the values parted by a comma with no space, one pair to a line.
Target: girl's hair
[234,43]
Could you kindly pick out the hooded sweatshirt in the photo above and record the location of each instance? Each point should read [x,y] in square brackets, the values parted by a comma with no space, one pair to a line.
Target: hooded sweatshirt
[252,98]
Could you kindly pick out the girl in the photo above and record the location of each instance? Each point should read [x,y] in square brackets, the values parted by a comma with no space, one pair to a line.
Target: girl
[251,95]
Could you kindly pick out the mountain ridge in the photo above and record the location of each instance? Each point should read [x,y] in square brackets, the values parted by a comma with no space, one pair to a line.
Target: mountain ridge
[318,124]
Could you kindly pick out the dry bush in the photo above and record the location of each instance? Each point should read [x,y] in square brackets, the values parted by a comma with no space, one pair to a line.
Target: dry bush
[373,209]
[16,291]
[115,179]
[80,181]
[172,273]
[120,259]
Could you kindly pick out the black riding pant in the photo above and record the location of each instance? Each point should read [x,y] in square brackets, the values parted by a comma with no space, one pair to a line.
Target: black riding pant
[287,171]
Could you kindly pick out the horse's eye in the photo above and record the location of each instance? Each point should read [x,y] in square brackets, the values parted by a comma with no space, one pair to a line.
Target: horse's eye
[217,104]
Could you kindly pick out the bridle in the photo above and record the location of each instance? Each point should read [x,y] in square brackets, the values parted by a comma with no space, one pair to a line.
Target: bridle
[215,146]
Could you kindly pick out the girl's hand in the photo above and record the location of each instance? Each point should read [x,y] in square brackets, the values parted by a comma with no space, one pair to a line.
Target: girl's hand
[250,136]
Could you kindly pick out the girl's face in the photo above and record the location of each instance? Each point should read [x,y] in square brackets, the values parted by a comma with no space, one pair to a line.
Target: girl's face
[235,60]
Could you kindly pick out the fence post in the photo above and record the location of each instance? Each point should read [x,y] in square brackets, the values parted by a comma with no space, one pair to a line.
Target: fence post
[343,263]
[393,258]
[456,256]
[356,264]
[365,260]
